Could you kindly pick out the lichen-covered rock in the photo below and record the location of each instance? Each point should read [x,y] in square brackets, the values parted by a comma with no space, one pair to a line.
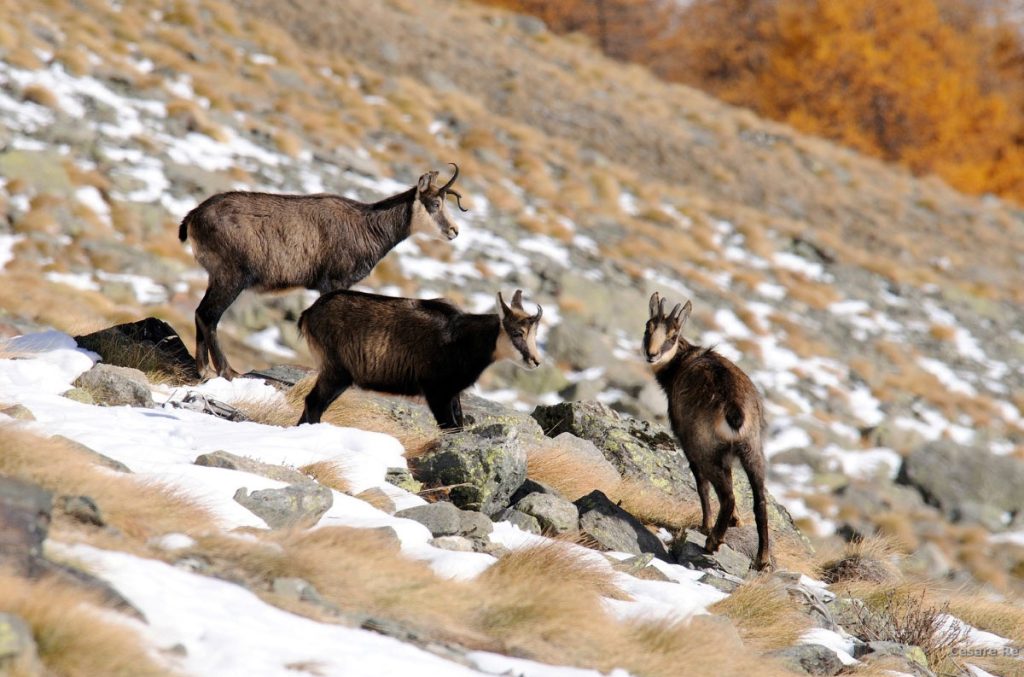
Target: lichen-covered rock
[963,481]
[474,524]
[116,386]
[80,395]
[483,466]
[554,514]
[615,529]
[810,659]
[229,461]
[893,656]
[403,479]
[297,505]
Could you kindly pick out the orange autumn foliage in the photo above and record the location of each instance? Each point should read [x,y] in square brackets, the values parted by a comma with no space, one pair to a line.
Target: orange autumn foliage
[935,85]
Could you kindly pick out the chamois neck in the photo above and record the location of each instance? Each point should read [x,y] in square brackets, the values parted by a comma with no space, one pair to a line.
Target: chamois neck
[474,338]
[389,221]
[685,352]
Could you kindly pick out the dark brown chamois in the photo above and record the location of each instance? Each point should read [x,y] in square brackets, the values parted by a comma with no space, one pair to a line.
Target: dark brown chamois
[411,347]
[324,242]
[717,415]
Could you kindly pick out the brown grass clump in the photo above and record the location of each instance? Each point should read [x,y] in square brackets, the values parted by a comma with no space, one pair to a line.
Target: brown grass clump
[328,473]
[653,506]
[139,510]
[39,94]
[767,618]
[74,635]
[865,560]
[569,473]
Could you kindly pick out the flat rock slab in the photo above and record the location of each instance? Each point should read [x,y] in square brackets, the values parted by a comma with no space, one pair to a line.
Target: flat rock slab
[690,552]
[116,386]
[445,519]
[229,461]
[615,529]
[297,505]
[554,514]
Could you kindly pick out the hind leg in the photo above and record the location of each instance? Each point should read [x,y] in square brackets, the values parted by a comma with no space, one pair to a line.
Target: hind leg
[721,480]
[328,387]
[753,465]
[219,295]
[705,502]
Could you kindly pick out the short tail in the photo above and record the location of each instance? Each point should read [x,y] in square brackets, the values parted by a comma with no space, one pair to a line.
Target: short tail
[183,228]
[734,416]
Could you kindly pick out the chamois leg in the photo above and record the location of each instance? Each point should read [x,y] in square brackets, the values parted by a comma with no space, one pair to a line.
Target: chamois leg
[329,386]
[753,465]
[219,295]
[443,409]
[705,502]
[721,480]
[457,410]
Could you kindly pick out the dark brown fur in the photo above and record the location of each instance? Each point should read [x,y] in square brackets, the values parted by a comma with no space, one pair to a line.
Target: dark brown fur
[409,347]
[717,415]
[270,242]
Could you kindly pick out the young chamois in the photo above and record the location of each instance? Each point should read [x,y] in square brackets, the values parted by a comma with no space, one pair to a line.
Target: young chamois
[411,347]
[324,242]
[717,415]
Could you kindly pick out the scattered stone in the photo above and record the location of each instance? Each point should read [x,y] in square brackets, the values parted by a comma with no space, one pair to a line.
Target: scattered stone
[302,590]
[615,529]
[690,552]
[25,511]
[281,376]
[453,543]
[96,456]
[80,395]
[555,515]
[906,658]
[522,520]
[441,518]
[490,548]
[297,505]
[17,645]
[229,461]
[474,524]
[640,567]
[532,487]
[403,479]
[811,659]
[114,386]
[81,508]
[482,465]
[376,497]
[151,345]
[18,413]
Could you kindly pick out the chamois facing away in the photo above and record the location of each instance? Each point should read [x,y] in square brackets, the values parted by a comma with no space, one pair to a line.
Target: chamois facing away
[717,415]
[411,347]
[324,242]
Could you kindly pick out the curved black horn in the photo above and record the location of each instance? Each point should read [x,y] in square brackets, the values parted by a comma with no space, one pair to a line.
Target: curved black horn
[517,299]
[458,198]
[540,311]
[451,180]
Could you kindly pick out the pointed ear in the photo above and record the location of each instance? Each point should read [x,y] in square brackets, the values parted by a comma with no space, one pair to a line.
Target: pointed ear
[652,307]
[517,299]
[423,185]
[661,309]
[502,307]
[684,314]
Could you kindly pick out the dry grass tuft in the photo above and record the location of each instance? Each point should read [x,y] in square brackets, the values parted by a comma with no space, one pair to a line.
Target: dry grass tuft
[866,560]
[652,506]
[767,618]
[328,473]
[39,94]
[568,472]
[139,510]
[74,635]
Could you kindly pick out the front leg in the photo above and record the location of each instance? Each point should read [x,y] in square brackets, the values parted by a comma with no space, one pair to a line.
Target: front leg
[443,408]
[457,410]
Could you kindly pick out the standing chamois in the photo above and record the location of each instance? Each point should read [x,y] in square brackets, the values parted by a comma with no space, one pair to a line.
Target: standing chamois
[324,242]
[717,415]
[411,347]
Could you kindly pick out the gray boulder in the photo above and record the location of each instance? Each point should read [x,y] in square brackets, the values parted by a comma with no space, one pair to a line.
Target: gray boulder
[483,466]
[615,529]
[810,659]
[690,552]
[522,520]
[297,505]
[453,543]
[96,456]
[25,515]
[554,514]
[441,518]
[965,483]
[474,524]
[115,386]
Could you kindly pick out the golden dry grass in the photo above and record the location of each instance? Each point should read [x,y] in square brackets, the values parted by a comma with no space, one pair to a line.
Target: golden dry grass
[328,473]
[765,615]
[74,636]
[139,510]
[40,94]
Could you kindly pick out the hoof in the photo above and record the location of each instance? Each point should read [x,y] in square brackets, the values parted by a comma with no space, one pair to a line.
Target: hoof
[735,521]
[713,544]
[763,564]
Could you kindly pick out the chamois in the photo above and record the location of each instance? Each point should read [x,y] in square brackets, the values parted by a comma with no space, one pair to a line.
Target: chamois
[324,242]
[717,415]
[411,347]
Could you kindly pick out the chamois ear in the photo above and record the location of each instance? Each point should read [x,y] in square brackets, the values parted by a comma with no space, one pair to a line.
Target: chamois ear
[502,307]
[652,307]
[680,315]
[423,185]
